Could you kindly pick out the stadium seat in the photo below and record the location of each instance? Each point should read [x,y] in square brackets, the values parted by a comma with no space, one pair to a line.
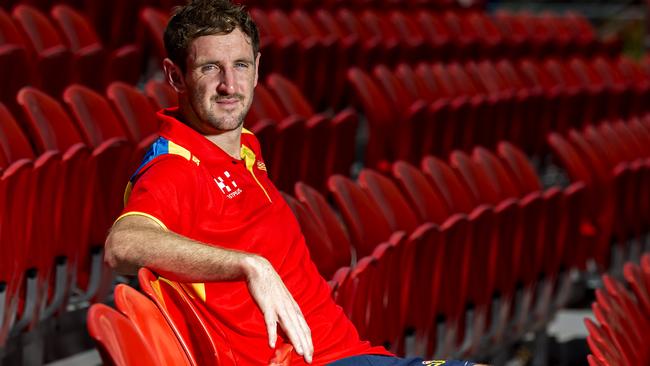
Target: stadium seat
[50,128]
[202,341]
[380,115]
[321,249]
[151,325]
[429,206]
[137,116]
[118,340]
[319,207]
[40,227]
[52,56]
[161,94]
[94,64]
[390,200]
[368,228]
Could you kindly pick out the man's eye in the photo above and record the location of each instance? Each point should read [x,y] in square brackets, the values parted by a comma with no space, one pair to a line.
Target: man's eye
[241,65]
[208,68]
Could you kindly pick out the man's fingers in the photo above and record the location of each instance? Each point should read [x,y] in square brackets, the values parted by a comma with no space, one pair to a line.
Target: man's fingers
[305,329]
[306,332]
[272,327]
[298,331]
[291,327]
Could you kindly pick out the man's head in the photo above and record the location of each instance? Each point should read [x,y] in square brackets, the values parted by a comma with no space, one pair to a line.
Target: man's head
[203,18]
[213,55]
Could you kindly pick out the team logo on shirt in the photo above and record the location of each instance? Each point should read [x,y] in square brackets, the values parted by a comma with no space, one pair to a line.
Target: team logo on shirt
[228,186]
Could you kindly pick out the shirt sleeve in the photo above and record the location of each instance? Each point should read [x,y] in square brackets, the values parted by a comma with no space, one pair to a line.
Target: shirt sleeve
[165,191]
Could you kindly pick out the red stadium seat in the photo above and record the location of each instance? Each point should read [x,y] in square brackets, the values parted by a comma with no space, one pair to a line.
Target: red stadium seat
[162,95]
[429,206]
[321,249]
[94,65]
[14,57]
[319,207]
[341,151]
[448,184]
[368,228]
[381,118]
[40,227]
[390,200]
[138,117]
[53,58]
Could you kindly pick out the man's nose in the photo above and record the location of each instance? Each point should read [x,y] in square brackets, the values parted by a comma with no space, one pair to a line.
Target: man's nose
[227,83]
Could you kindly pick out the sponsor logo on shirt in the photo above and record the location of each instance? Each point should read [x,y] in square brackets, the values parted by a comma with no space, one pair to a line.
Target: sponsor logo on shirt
[228,186]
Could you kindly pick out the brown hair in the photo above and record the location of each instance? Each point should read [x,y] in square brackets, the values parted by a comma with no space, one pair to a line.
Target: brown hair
[202,18]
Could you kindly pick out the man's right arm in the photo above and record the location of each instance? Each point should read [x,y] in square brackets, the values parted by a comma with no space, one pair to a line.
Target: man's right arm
[137,241]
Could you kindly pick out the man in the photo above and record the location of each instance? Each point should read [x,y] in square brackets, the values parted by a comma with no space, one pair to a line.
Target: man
[202,210]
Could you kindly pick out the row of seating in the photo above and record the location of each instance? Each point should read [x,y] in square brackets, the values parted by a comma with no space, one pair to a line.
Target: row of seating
[163,328]
[613,159]
[469,254]
[622,312]
[434,108]
[328,42]
[62,181]
[51,51]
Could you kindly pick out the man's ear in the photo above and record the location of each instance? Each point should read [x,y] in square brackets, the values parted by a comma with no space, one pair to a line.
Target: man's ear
[174,75]
[257,67]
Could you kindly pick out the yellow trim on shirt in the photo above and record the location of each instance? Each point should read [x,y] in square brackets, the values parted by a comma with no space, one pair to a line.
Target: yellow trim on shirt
[138,213]
[243,130]
[178,150]
[249,157]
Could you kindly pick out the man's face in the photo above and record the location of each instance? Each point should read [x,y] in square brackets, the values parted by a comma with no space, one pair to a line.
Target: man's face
[220,78]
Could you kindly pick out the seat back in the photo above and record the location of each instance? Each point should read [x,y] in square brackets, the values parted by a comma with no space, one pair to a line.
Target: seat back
[319,207]
[419,192]
[203,342]
[390,200]
[94,116]
[75,27]
[321,249]
[449,185]
[138,116]
[520,167]
[368,228]
[289,96]
[118,340]
[161,93]
[49,124]
[151,324]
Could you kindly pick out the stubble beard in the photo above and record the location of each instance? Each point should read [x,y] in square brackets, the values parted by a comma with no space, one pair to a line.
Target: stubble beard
[224,123]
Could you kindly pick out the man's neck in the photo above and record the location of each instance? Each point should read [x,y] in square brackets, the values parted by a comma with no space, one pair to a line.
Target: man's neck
[229,141]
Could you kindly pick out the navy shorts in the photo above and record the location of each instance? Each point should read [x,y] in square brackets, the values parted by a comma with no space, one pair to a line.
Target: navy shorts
[375,360]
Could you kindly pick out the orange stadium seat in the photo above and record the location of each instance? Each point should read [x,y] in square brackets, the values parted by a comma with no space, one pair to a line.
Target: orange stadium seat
[118,340]
[202,342]
[151,325]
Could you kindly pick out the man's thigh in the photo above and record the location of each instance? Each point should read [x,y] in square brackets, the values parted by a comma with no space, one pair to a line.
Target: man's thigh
[375,360]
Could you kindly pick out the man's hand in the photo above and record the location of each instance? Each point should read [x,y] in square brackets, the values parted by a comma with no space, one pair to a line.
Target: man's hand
[278,306]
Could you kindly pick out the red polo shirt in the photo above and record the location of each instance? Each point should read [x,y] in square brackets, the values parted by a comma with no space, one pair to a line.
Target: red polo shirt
[193,188]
